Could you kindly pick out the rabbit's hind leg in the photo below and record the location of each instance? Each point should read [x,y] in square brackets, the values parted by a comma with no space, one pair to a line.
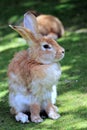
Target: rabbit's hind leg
[51,111]
[19,116]
[23,118]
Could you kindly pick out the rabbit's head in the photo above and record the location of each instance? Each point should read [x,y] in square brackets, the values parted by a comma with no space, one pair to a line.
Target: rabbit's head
[43,50]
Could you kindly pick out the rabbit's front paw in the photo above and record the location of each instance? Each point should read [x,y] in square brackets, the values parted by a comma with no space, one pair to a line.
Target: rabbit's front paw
[36,119]
[53,115]
[23,118]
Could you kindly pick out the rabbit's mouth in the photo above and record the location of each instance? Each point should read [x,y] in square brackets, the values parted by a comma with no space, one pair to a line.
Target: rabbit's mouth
[59,57]
[62,57]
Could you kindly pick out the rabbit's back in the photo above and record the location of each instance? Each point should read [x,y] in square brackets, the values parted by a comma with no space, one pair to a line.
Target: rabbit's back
[19,66]
[25,68]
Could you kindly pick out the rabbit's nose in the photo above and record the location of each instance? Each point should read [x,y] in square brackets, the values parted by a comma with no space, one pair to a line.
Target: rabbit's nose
[63,50]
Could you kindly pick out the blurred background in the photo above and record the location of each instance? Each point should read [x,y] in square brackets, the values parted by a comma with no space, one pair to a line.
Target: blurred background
[72,13]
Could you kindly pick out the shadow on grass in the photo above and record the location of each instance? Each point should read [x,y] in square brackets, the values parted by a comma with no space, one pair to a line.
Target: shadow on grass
[80,112]
[74,64]
[82,129]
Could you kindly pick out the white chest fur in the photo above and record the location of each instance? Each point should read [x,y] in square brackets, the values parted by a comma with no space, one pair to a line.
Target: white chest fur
[41,89]
[42,85]
[53,73]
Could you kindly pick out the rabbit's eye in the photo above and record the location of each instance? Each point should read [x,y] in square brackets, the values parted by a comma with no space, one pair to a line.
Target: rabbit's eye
[46,46]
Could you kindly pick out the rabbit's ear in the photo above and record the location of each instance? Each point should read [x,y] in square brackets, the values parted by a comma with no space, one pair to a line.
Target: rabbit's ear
[26,34]
[31,23]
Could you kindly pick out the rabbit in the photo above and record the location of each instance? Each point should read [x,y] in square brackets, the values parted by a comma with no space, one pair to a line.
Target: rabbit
[32,73]
[49,26]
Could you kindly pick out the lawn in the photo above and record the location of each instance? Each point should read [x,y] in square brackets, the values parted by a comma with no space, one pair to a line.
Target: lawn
[72,88]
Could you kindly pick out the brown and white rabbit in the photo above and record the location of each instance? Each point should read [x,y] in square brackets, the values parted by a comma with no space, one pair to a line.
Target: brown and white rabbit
[32,74]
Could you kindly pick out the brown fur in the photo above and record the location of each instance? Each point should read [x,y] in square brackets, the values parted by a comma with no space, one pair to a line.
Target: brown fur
[25,68]
[25,33]
[49,24]
[13,111]
[50,106]
[35,109]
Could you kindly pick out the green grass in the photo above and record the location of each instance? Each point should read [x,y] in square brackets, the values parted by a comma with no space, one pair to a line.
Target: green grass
[72,88]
